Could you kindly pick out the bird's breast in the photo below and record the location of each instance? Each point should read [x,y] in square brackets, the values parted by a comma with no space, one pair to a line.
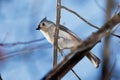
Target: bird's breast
[48,37]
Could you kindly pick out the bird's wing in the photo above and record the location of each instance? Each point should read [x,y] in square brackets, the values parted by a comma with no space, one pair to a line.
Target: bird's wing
[63,28]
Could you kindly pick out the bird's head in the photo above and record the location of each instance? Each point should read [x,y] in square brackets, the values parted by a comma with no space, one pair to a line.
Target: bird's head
[44,24]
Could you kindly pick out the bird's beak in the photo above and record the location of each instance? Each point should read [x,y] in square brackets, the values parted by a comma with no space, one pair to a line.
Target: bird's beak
[38,28]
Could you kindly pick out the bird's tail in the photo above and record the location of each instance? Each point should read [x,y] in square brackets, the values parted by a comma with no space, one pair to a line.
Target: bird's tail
[94,59]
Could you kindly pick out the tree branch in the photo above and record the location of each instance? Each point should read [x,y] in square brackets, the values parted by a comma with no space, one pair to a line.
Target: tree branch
[56,33]
[19,51]
[1,77]
[20,43]
[76,55]
[90,24]
[106,48]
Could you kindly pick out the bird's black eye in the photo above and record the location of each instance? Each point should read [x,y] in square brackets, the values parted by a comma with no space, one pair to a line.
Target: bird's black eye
[43,24]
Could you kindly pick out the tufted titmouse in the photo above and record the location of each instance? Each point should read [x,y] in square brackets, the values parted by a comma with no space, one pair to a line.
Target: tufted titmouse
[66,39]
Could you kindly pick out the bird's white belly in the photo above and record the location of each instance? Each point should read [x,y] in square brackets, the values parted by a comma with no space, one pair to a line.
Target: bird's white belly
[47,36]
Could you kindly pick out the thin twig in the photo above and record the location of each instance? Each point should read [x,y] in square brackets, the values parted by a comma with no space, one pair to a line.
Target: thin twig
[75,74]
[56,33]
[72,69]
[116,10]
[20,43]
[116,35]
[92,25]
[116,30]
[80,17]
[111,70]
[56,37]
[106,53]
[19,51]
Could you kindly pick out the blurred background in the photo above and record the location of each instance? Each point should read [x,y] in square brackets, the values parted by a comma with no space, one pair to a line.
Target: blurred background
[26,55]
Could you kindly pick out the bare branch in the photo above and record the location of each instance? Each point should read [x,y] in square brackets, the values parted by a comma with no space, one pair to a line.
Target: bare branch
[19,51]
[73,70]
[118,7]
[116,35]
[20,43]
[112,67]
[106,53]
[76,55]
[92,25]
[56,33]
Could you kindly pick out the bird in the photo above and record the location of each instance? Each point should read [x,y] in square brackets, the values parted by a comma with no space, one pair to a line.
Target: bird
[66,38]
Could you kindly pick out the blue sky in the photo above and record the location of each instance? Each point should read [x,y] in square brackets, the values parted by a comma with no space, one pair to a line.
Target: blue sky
[18,21]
